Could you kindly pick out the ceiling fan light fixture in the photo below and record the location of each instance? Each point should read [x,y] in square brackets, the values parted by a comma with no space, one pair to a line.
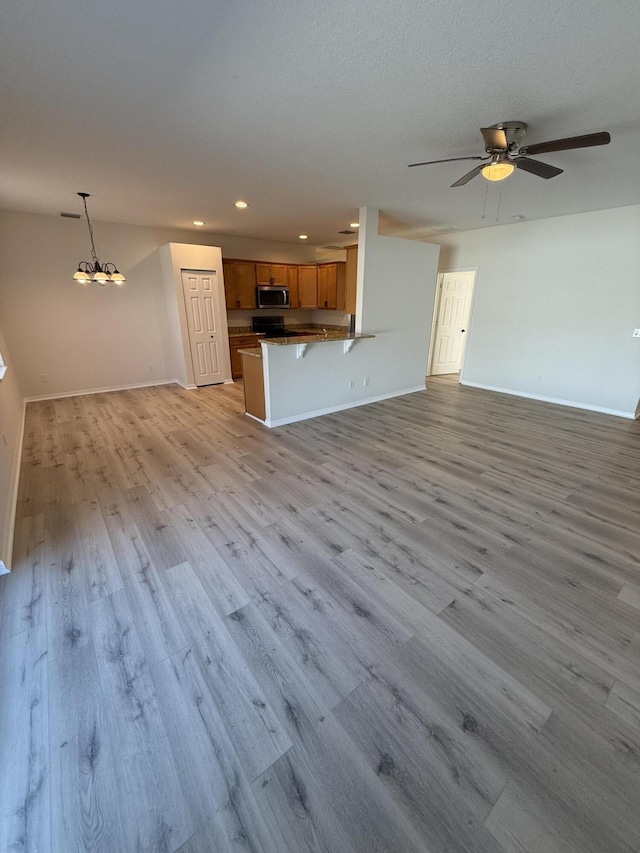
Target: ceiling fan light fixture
[497,171]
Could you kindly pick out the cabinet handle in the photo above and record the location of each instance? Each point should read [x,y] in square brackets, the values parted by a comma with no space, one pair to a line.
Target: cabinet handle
[237,303]
[325,303]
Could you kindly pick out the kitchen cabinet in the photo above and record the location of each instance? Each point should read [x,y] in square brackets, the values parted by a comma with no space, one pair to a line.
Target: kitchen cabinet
[331,286]
[237,342]
[307,286]
[292,282]
[271,274]
[253,380]
[239,284]
[351,274]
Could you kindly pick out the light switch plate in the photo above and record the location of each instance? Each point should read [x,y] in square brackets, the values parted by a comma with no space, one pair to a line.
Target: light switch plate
[636,333]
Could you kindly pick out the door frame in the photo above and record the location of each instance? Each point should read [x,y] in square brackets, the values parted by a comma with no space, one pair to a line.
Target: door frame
[436,309]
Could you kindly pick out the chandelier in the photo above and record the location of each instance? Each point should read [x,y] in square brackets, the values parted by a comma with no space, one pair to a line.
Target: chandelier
[93,270]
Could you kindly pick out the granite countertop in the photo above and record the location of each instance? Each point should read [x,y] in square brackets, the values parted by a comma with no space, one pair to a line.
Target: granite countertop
[254,352]
[315,339]
[235,332]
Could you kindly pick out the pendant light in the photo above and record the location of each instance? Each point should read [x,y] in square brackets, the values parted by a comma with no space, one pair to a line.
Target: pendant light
[89,271]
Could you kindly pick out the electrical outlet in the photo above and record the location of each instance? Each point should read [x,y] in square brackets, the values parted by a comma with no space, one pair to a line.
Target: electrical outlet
[636,333]
[352,384]
[44,377]
[365,382]
[150,367]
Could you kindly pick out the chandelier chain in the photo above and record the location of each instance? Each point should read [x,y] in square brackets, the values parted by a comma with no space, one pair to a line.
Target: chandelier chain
[93,245]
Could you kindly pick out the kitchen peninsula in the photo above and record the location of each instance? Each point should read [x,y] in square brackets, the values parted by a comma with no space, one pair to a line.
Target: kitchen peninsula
[293,378]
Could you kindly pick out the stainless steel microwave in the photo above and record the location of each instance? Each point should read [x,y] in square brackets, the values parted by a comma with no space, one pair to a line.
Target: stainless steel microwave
[270,296]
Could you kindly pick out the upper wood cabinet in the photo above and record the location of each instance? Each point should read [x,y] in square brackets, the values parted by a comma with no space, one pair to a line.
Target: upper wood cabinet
[271,273]
[308,286]
[292,281]
[351,274]
[331,286]
[239,284]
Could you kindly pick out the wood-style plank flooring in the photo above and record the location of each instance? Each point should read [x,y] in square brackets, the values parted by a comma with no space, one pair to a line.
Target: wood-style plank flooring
[412,627]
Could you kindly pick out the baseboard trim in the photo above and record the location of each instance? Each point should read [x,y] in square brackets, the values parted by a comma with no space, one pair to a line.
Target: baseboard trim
[331,409]
[13,497]
[555,400]
[104,390]
[186,387]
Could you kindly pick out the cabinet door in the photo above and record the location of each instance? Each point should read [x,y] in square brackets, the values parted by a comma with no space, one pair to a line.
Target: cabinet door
[351,275]
[327,286]
[279,273]
[308,286]
[237,343]
[236,362]
[292,282]
[245,285]
[229,274]
[263,273]
[341,287]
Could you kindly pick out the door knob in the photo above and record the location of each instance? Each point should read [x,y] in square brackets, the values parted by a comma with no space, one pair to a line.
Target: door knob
[463,330]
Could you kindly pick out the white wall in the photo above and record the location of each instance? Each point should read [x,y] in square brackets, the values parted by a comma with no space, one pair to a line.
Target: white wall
[395,298]
[556,301]
[91,338]
[11,409]
[396,291]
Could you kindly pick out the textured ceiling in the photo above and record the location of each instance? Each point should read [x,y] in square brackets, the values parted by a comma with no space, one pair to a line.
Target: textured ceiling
[169,111]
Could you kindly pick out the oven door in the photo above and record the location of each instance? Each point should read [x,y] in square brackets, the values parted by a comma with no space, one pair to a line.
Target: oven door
[272,297]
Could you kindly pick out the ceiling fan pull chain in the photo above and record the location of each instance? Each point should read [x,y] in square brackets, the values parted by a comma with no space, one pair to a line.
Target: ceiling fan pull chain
[498,208]
[483,215]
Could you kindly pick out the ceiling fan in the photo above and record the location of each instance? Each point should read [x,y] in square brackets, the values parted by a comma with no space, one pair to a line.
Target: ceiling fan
[504,152]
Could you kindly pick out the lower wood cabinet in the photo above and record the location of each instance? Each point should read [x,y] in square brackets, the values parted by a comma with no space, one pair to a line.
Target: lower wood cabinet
[254,402]
[238,342]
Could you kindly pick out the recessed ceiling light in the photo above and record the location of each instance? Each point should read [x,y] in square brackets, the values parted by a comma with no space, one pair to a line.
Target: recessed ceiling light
[303,236]
[198,222]
[242,204]
[354,225]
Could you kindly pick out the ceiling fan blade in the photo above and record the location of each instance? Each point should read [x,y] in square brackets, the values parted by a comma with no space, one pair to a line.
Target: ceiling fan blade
[542,170]
[586,141]
[466,178]
[448,160]
[494,138]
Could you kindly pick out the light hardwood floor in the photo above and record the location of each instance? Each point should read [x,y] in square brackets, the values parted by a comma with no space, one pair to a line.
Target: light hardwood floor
[410,627]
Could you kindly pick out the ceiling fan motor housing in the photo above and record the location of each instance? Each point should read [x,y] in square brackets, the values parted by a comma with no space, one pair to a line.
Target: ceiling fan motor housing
[513,130]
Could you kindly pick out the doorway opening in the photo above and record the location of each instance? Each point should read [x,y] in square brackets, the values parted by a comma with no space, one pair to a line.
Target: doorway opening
[450,325]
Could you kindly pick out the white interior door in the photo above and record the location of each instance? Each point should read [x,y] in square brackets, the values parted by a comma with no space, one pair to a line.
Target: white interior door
[202,302]
[453,310]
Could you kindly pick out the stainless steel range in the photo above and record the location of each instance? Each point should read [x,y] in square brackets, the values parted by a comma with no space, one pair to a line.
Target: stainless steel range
[272,327]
